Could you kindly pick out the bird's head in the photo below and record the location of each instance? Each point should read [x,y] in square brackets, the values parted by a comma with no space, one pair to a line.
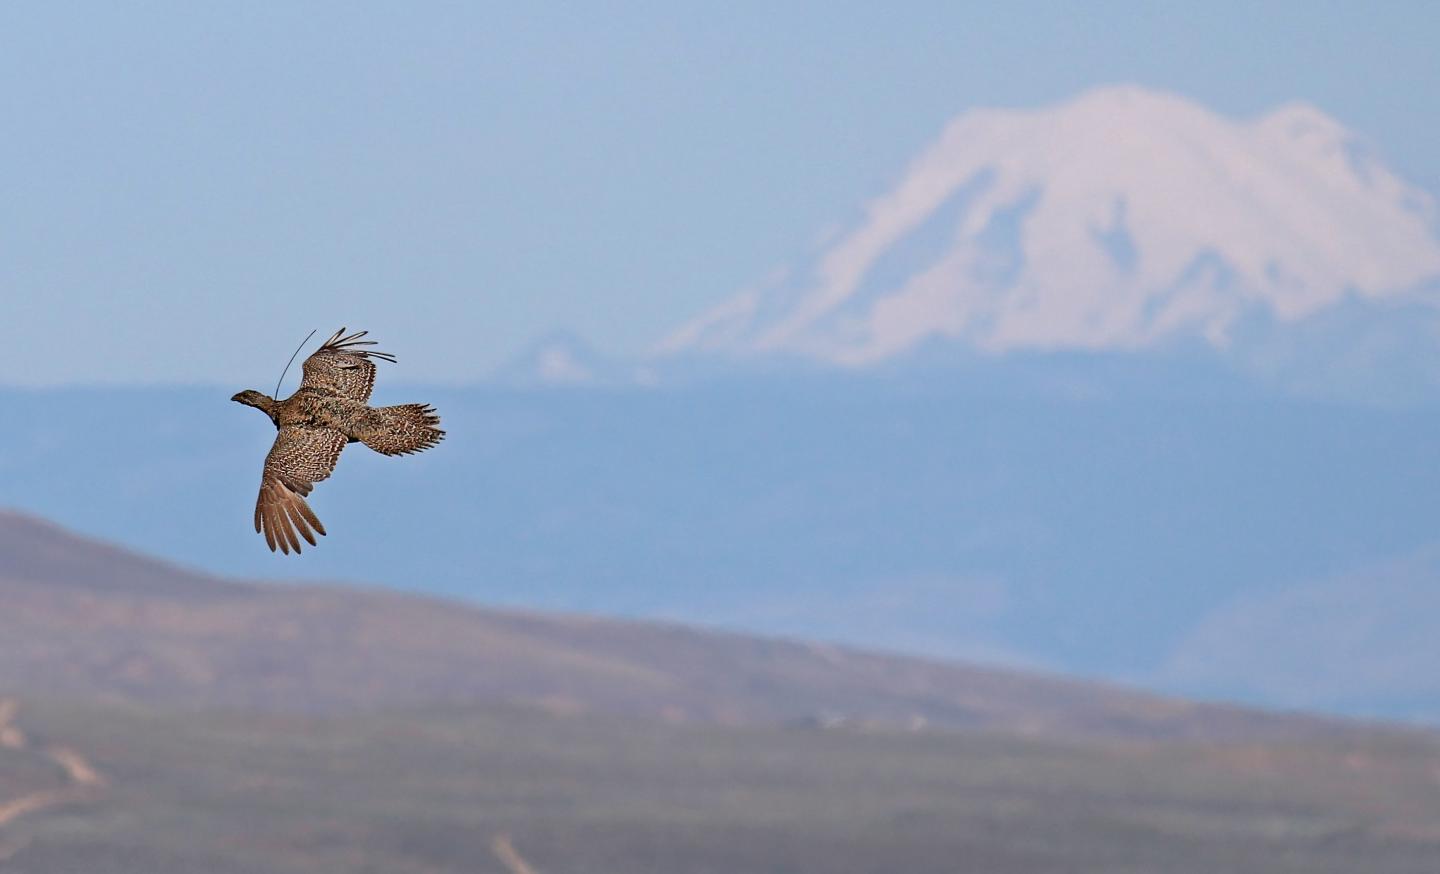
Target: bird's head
[252,398]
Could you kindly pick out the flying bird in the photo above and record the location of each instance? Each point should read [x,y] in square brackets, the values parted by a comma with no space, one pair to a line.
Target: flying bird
[329,410]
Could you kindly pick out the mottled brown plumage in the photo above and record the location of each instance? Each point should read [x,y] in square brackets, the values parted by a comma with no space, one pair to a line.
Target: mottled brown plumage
[329,410]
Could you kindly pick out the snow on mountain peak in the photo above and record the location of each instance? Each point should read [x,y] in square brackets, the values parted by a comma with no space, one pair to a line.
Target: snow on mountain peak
[1118,219]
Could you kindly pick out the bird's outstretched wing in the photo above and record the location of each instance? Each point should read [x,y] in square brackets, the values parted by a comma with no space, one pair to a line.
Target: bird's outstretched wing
[343,366]
[300,458]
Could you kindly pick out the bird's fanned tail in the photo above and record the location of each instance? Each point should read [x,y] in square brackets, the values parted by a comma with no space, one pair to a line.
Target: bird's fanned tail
[400,430]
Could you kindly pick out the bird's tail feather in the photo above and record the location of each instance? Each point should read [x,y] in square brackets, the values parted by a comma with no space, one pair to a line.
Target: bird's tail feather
[400,430]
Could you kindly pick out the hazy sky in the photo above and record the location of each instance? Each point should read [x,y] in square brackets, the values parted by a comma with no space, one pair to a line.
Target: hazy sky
[186,189]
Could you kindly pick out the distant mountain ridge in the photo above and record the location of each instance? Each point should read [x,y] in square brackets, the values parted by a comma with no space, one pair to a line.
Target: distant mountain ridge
[86,620]
[1120,220]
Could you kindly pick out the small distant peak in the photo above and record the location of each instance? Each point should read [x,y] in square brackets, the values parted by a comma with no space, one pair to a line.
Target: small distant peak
[561,365]
[565,360]
[558,358]
[561,352]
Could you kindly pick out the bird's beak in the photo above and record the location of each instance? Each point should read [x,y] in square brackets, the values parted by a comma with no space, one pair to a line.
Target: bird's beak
[235,398]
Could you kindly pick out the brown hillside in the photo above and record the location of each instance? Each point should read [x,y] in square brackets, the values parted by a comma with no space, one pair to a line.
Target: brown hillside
[87,620]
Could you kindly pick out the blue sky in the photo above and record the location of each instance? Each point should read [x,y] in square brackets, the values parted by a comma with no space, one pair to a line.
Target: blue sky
[187,189]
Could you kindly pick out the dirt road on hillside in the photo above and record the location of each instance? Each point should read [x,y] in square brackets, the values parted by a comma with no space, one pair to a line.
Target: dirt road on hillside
[83,782]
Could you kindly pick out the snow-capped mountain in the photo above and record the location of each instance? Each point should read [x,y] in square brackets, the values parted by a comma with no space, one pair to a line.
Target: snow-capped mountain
[1118,220]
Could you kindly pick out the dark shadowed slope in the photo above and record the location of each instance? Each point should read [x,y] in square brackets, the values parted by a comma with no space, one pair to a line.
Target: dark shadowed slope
[85,620]
[33,551]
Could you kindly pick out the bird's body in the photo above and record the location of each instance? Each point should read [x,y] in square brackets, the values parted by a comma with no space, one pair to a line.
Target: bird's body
[327,412]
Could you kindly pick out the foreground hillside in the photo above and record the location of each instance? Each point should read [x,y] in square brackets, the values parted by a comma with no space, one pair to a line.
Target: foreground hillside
[158,721]
[461,790]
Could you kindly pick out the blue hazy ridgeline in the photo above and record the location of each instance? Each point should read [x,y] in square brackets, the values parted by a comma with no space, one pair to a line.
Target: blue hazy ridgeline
[1081,516]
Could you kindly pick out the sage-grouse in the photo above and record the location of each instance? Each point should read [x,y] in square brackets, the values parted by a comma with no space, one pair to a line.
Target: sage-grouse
[329,410]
